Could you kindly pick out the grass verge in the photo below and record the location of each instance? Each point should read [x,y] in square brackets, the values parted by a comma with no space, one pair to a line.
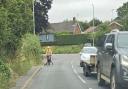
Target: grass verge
[66,49]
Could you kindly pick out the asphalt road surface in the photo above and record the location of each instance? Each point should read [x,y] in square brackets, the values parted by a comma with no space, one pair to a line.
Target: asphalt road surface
[64,74]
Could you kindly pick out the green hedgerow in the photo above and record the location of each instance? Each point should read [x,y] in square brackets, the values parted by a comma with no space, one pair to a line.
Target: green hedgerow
[5,75]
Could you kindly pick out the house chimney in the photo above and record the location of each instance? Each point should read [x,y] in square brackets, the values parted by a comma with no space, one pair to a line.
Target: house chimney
[74,19]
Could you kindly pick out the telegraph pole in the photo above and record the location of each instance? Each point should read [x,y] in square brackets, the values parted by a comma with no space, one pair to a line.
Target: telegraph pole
[34,17]
[93,11]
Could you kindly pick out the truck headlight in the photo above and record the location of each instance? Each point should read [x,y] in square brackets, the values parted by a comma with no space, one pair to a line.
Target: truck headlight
[124,61]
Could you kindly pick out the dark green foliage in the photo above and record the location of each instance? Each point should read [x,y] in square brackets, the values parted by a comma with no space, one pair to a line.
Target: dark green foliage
[41,14]
[123,16]
[102,29]
[84,25]
[16,19]
[123,10]
[4,75]
[96,23]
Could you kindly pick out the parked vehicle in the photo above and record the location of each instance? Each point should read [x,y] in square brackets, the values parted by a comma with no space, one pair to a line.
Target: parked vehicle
[112,65]
[87,45]
[88,60]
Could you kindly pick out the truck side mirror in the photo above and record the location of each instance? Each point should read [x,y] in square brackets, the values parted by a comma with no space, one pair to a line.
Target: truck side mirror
[108,46]
[80,53]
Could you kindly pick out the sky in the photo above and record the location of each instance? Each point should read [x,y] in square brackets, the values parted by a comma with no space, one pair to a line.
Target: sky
[82,9]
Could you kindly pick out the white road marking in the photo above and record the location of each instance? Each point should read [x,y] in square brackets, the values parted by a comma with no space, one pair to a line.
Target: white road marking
[75,71]
[81,79]
[72,67]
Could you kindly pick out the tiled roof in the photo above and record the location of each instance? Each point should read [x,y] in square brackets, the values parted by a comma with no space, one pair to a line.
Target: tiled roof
[62,27]
[114,22]
[90,29]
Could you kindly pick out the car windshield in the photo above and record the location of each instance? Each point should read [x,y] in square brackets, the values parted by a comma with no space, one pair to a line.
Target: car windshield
[90,50]
[122,40]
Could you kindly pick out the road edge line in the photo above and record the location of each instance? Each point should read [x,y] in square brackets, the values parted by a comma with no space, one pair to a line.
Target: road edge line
[30,78]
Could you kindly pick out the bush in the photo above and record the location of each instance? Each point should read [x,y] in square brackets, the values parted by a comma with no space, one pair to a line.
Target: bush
[29,54]
[4,75]
[31,48]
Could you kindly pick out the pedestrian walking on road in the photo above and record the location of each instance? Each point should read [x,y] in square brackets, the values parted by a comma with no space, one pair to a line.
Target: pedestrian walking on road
[49,55]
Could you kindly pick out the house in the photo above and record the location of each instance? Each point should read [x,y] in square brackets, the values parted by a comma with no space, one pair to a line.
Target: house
[72,27]
[115,25]
[61,27]
[77,29]
[90,30]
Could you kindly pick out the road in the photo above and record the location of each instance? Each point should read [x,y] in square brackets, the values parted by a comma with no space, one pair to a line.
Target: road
[64,74]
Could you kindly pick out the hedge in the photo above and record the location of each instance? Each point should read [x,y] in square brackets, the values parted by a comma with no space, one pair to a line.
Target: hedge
[70,39]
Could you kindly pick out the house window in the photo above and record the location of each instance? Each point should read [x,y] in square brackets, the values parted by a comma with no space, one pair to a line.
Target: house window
[47,37]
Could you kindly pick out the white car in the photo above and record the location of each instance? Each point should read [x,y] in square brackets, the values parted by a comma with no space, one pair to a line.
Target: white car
[88,59]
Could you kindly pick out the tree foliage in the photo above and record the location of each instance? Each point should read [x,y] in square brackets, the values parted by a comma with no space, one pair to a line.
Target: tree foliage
[102,29]
[96,22]
[41,15]
[84,25]
[123,15]
[15,21]
[5,75]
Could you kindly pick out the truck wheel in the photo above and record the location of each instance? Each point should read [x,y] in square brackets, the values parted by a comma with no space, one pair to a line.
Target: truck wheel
[113,82]
[81,64]
[85,71]
[101,82]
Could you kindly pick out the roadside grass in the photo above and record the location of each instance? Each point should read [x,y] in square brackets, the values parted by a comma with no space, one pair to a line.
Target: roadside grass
[28,54]
[19,68]
[65,49]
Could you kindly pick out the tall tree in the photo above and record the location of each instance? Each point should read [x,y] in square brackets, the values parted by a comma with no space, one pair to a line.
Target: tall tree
[122,13]
[123,10]
[41,15]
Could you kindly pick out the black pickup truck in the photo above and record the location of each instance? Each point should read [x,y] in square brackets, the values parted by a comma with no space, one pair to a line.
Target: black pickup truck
[112,64]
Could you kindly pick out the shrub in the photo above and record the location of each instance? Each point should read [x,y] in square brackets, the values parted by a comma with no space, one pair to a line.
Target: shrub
[4,75]
[31,48]
[28,54]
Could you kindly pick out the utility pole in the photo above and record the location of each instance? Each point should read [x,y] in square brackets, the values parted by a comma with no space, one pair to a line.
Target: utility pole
[93,11]
[34,17]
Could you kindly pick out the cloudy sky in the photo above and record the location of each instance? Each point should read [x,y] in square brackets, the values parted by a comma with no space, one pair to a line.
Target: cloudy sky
[82,9]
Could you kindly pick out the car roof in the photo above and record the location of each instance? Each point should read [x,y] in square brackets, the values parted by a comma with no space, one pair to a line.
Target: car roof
[120,32]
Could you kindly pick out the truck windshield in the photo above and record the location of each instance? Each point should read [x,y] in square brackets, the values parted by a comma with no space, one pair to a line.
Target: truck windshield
[123,40]
[90,50]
